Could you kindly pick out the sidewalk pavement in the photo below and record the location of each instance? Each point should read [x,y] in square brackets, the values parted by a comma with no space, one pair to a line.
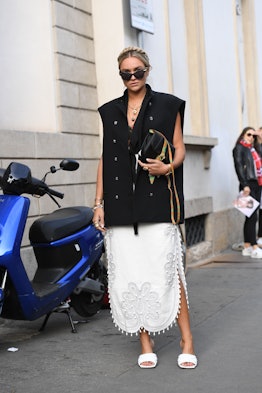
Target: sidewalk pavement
[225,296]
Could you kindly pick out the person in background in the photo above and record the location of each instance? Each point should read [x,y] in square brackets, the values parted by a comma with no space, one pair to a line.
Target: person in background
[247,161]
[146,280]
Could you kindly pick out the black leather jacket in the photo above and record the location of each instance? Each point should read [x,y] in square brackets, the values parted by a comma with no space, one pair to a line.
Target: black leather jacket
[244,165]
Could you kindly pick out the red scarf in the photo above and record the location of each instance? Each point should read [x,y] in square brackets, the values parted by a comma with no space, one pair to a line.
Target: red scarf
[256,158]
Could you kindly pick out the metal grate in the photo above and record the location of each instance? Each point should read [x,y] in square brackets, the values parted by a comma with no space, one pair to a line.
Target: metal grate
[195,230]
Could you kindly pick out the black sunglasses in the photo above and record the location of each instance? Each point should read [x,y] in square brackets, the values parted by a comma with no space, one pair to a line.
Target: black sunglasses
[126,76]
[249,134]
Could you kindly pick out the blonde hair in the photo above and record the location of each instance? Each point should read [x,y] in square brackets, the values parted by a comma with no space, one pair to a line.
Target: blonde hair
[134,51]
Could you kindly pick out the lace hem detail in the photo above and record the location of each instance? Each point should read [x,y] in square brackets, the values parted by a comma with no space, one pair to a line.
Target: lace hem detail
[152,305]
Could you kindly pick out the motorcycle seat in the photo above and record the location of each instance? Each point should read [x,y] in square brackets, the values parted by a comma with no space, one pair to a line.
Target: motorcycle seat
[60,223]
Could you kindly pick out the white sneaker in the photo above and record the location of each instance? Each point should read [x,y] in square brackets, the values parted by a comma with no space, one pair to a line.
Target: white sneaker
[246,252]
[256,253]
[259,241]
[239,246]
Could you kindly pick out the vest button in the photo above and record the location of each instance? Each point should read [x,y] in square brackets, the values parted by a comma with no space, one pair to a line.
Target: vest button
[151,118]
[115,122]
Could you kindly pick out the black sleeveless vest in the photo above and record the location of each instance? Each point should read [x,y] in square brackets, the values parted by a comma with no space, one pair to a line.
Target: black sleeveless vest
[129,199]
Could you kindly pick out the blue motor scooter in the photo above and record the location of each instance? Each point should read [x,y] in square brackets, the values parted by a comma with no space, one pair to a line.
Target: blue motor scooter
[67,249]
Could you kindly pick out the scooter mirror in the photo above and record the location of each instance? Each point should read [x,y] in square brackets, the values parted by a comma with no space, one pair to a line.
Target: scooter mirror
[69,165]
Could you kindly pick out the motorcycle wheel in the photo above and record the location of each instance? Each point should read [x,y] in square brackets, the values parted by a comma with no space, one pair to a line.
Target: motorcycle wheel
[88,304]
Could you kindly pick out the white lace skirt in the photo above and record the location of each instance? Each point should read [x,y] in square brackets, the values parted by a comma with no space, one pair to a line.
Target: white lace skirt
[144,276]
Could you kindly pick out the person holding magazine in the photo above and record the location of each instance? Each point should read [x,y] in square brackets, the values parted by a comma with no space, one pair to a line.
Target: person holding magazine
[248,166]
[138,214]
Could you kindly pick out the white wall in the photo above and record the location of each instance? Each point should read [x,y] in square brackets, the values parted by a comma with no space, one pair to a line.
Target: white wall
[109,41]
[158,78]
[179,56]
[27,94]
[223,97]
[258,14]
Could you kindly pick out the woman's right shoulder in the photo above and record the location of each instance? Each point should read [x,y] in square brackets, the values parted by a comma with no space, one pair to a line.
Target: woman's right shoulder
[110,104]
[238,149]
[238,146]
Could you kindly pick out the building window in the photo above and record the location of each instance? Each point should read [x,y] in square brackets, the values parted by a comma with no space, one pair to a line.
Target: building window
[195,230]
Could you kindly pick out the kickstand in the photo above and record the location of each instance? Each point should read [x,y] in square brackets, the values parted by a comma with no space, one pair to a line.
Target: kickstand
[63,308]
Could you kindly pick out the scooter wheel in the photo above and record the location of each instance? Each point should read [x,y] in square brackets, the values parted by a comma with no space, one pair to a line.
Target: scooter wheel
[86,304]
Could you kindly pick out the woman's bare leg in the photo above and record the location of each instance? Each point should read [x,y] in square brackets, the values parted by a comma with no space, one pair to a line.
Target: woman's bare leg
[183,322]
[146,345]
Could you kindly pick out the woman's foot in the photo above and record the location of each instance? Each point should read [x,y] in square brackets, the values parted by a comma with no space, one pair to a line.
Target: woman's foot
[147,360]
[147,346]
[188,358]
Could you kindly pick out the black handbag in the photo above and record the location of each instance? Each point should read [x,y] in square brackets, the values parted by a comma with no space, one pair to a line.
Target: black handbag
[156,146]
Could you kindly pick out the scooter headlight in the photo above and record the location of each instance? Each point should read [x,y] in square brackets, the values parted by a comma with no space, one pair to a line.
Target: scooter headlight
[16,178]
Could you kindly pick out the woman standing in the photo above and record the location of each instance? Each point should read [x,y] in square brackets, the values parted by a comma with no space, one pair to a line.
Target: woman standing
[147,286]
[249,172]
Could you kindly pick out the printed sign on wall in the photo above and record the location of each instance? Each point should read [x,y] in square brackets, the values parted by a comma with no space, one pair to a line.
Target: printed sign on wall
[142,15]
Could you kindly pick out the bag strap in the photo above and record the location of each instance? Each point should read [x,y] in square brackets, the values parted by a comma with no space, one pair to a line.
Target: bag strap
[170,178]
[169,185]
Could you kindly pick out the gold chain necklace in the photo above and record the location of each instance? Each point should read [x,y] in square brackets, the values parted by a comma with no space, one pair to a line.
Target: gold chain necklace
[134,111]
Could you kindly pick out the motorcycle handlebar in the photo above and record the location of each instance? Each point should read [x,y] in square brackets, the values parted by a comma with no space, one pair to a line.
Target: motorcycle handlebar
[55,193]
[35,187]
[16,179]
[41,188]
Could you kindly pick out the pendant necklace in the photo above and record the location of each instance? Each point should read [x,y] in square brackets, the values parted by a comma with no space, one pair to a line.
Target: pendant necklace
[134,112]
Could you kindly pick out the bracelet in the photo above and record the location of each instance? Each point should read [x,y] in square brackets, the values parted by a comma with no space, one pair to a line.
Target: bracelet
[170,170]
[98,206]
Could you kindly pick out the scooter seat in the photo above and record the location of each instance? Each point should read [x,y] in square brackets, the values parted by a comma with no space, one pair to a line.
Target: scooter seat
[60,223]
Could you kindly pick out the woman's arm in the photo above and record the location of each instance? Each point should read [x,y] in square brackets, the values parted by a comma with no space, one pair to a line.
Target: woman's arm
[180,150]
[98,218]
[240,165]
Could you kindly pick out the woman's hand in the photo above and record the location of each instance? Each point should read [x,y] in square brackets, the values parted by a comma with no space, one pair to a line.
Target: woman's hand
[246,191]
[155,167]
[98,218]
